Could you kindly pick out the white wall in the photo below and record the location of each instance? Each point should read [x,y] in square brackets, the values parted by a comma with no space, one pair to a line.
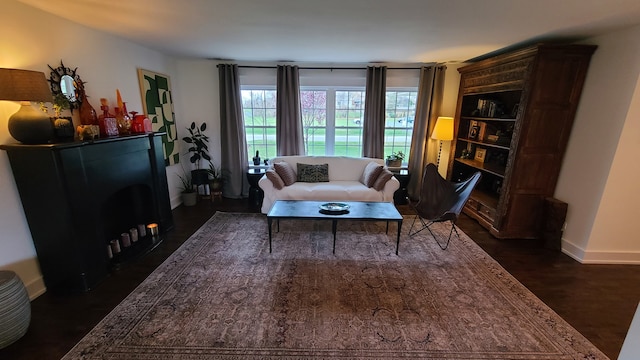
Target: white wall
[599,177]
[197,82]
[31,39]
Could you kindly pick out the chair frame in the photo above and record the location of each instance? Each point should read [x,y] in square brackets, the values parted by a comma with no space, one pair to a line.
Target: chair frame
[462,190]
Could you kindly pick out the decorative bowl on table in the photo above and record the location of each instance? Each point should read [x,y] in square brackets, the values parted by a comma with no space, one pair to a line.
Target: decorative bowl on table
[333,208]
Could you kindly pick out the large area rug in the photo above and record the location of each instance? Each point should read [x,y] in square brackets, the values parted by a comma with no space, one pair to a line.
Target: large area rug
[222,295]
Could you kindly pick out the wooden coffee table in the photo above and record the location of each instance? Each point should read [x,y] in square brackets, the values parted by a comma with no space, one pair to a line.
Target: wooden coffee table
[310,210]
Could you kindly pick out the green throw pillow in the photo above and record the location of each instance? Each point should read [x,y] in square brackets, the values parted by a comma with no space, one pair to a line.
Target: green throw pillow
[313,173]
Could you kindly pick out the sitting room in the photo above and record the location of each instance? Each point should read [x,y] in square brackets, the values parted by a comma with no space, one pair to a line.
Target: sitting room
[137,216]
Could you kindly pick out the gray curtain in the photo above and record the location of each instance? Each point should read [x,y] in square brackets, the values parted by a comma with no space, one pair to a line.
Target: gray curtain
[289,140]
[424,150]
[374,103]
[234,159]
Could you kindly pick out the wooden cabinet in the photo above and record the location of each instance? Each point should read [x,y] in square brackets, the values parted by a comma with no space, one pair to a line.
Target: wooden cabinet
[513,119]
[80,196]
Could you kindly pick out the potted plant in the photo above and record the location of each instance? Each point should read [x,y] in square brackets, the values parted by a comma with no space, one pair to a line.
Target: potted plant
[199,150]
[187,193]
[215,178]
[395,159]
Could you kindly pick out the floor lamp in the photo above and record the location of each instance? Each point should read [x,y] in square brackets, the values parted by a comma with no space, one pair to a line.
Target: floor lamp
[443,131]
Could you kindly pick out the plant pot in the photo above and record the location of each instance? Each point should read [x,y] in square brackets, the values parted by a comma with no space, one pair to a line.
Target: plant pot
[394,163]
[215,185]
[199,177]
[189,199]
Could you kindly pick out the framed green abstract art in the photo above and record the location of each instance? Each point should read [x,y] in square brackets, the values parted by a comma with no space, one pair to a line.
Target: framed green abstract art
[157,102]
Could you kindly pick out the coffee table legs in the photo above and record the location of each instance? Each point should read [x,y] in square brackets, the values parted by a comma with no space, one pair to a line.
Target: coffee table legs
[397,241]
[334,228]
[269,225]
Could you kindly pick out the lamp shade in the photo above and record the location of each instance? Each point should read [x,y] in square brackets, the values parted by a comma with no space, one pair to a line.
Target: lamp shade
[29,125]
[24,85]
[443,129]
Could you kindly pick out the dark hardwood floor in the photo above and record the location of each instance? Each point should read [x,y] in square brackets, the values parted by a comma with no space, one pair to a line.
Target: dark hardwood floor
[597,300]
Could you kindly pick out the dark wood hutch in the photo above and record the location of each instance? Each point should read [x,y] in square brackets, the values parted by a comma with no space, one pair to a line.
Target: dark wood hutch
[513,119]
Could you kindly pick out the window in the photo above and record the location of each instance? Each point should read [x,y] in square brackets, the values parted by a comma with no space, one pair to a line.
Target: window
[400,115]
[332,110]
[259,108]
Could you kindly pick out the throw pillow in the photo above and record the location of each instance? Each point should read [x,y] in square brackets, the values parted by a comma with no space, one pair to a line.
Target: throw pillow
[313,173]
[371,173]
[382,179]
[286,172]
[277,181]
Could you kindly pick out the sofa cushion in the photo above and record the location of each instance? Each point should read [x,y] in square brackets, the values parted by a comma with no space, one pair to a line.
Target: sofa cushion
[277,181]
[382,179]
[371,173]
[313,173]
[286,172]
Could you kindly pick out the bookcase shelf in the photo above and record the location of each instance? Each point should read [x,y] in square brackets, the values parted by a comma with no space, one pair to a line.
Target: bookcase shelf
[512,123]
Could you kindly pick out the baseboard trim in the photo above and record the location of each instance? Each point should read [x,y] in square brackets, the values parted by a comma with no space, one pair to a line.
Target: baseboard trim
[600,257]
[35,288]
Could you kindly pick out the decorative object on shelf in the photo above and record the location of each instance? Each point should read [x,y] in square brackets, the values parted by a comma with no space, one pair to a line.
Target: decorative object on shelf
[266,162]
[107,121]
[473,130]
[87,132]
[28,125]
[395,159]
[122,116]
[157,104]
[88,115]
[62,126]
[480,155]
[64,80]
[256,159]
[443,131]
[16,308]
[465,154]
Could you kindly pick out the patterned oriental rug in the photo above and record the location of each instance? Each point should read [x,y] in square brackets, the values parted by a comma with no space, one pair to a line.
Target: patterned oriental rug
[222,295]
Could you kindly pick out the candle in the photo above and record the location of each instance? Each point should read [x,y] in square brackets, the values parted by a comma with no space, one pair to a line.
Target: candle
[133,233]
[153,229]
[142,230]
[126,239]
[115,246]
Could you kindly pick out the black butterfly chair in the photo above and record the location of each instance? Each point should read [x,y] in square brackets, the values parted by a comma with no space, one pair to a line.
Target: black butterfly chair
[441,201]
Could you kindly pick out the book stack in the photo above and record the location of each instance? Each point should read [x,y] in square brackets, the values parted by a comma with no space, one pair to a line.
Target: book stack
[489,108]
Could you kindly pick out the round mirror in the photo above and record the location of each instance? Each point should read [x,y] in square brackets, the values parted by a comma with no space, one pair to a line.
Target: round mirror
[64,80]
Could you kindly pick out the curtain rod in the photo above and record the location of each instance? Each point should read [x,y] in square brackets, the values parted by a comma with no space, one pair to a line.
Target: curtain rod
[323,68]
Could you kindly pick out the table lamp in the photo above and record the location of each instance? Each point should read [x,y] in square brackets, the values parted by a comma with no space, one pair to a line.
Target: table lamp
[443,131]
[28,125]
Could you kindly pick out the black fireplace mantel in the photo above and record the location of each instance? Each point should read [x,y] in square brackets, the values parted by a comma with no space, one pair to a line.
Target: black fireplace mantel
[78,196]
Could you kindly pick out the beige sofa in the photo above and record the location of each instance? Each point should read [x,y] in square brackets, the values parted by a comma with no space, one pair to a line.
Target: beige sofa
[345,182]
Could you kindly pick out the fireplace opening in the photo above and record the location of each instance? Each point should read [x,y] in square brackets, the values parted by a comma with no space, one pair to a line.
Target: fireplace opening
[126,216]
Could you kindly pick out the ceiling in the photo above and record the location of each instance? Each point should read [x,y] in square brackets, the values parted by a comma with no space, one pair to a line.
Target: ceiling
[344,31]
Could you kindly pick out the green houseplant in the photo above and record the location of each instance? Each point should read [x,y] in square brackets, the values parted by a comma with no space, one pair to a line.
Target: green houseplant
[215,177]
[199,150]
[187,193]
[395,159]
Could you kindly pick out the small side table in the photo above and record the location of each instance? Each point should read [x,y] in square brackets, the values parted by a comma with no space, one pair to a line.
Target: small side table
[400,196]
[255,193]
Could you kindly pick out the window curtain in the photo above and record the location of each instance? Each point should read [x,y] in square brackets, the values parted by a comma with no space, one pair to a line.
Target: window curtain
[289,140]
[423,149]
[374,104]
[232,137]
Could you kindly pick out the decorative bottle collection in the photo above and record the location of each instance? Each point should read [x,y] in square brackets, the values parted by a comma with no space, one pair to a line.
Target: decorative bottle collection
[115,121]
